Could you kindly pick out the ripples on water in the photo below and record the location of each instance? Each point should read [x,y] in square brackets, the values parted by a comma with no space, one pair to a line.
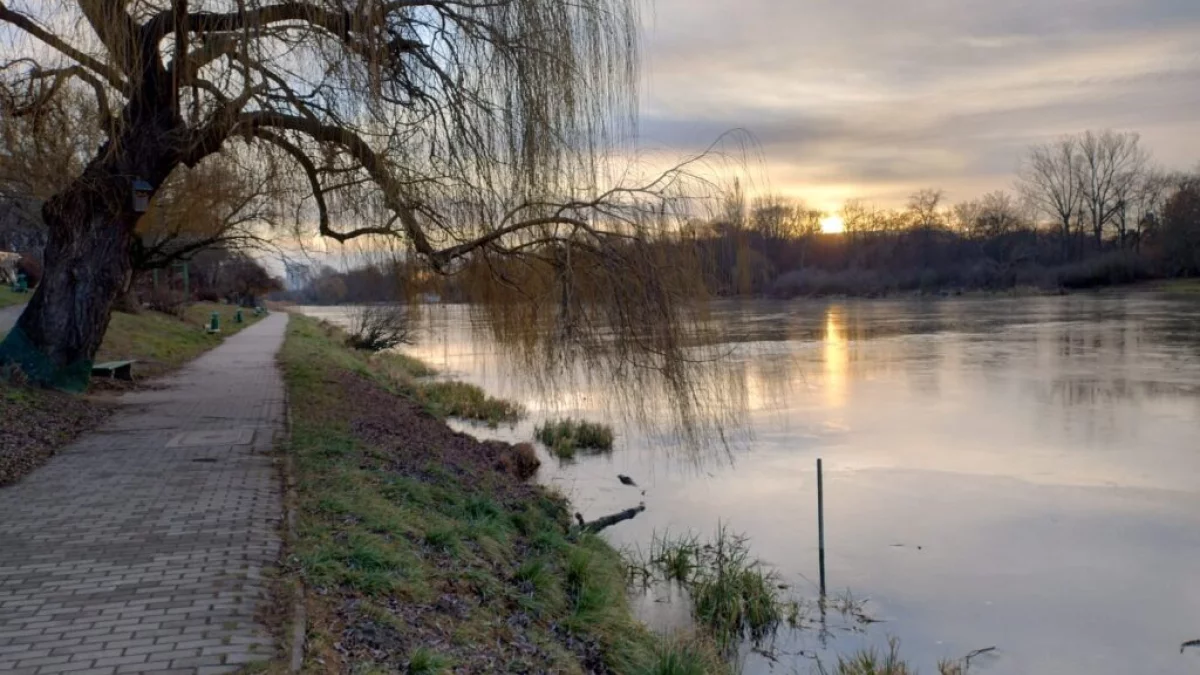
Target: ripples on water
[1042,453]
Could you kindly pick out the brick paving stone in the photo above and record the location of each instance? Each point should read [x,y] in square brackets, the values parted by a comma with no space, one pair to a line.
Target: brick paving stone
[141,532]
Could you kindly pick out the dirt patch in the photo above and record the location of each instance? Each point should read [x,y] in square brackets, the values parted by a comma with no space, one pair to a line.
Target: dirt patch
[37,423]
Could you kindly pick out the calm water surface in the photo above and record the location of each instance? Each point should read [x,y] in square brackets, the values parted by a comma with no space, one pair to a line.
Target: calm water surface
[1018,473]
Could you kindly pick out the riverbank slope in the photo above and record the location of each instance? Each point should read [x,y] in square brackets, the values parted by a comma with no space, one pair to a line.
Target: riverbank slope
[422,550]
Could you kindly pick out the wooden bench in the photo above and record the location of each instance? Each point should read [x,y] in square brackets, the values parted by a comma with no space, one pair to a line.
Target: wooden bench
[117,370]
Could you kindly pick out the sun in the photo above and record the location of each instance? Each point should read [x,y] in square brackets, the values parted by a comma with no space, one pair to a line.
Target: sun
[833,225]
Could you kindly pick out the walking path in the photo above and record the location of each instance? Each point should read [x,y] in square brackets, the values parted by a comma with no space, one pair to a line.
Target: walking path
[141,548]
[9,316]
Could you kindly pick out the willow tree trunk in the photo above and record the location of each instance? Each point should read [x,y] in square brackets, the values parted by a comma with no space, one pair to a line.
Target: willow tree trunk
[87,260]
[86,266]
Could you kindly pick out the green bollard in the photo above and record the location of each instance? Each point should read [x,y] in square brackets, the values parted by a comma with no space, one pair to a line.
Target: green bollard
[237,316]
[214,323]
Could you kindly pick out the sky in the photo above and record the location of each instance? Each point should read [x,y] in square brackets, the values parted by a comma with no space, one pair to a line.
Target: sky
[875,99]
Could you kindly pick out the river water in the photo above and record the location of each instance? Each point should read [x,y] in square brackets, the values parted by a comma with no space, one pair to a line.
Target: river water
[1019,473]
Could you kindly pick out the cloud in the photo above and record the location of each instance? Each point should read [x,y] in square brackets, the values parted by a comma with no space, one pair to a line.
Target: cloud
[877,98]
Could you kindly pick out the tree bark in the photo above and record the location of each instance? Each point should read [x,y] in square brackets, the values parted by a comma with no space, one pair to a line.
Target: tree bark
[87,258]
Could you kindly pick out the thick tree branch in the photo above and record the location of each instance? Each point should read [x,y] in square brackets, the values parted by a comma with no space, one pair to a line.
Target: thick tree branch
[116,30]
[372,163]
[310,170]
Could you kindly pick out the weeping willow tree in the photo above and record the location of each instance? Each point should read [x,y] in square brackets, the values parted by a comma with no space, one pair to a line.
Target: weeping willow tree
[484,134]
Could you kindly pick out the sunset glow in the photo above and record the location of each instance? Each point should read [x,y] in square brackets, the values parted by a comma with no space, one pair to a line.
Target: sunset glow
[833,225]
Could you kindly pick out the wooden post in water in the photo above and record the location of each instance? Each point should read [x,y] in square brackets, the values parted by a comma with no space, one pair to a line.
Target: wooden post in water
[821,525]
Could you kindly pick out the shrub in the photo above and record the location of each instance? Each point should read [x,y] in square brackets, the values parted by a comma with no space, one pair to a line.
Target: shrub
[379,327]
[1114,268]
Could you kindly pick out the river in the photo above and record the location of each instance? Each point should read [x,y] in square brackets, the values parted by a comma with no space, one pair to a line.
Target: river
[1020,473]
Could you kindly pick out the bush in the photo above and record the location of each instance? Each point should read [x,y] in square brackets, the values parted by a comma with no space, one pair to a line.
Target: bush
[1120,267]
[379,327]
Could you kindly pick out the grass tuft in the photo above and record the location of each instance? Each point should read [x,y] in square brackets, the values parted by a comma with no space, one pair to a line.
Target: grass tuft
[735,597]
[565,437]
[871,662]
[426,662]
[687,656]
[469,402]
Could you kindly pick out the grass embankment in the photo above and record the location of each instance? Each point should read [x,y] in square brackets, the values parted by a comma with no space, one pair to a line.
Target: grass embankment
[421,549]
[37,422]
[161,343]
[8,298]
[566,437]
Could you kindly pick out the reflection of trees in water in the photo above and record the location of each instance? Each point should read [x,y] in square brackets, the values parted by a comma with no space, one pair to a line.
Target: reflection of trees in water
[1088,354]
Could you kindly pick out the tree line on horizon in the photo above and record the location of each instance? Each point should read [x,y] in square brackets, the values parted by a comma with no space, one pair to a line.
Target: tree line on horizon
[1086,210]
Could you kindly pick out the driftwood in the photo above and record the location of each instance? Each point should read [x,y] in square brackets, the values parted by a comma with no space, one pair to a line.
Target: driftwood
[977,652]
[608,521]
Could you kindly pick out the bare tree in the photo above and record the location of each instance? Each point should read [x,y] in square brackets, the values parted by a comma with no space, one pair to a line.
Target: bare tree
[463,127]
[1110,167]
[993,215]
[925,208]
[1048,178]
[1145,201]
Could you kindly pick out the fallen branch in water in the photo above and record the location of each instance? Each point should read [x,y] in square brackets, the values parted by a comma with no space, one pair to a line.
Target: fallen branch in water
[977,652]
[608,521]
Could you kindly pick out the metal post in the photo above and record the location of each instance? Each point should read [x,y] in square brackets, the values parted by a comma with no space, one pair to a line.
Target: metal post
[821,524]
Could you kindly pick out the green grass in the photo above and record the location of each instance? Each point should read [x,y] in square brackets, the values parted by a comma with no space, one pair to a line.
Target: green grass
[566,437]
[161,343]
[379,538]
[1181,286]
[8,298]
[426,662]
[687,656]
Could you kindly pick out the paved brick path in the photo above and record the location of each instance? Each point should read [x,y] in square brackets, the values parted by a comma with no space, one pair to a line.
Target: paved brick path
[8,317]
[141,547]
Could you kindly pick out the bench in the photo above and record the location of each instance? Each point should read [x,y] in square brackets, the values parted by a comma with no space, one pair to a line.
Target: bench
[117,370]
